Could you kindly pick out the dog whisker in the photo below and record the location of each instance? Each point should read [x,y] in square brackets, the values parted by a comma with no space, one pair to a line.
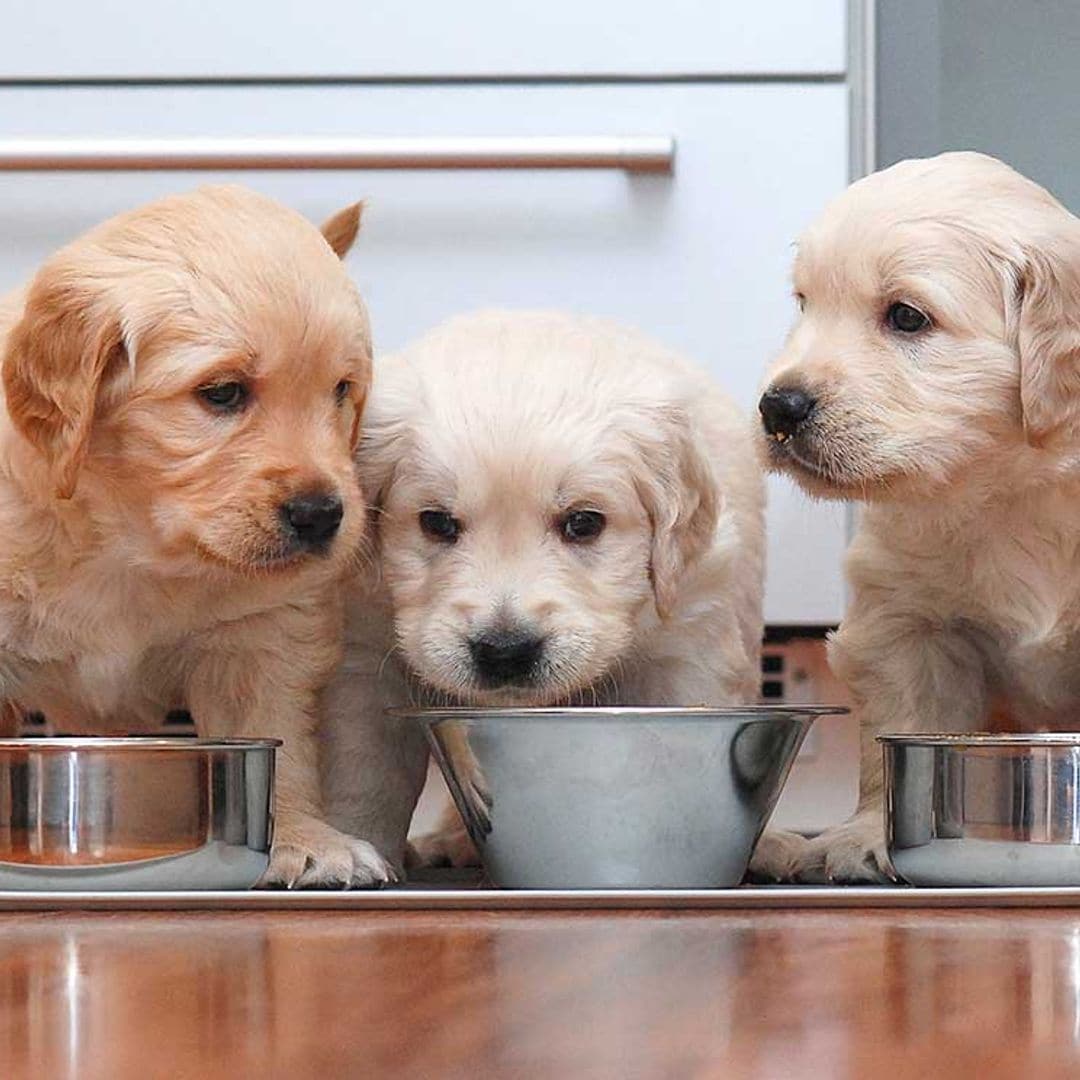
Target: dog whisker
[548,485]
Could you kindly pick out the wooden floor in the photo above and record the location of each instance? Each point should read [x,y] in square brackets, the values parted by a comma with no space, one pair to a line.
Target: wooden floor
[886,994]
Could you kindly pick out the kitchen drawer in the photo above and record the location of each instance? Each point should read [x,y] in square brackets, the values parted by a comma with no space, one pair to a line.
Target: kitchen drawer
[273,39]
[699,258]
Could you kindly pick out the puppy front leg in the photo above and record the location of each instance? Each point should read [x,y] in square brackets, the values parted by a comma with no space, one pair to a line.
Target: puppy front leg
[905,675]
[259,678]
[372,765]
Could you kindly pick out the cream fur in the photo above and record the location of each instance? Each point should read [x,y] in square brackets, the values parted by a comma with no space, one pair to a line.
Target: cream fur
[507,420]
[141,560]
[963,440]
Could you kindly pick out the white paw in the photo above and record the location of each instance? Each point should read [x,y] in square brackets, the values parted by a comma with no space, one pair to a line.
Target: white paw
[450,846]
[776,856]
[849,854]
[309,854]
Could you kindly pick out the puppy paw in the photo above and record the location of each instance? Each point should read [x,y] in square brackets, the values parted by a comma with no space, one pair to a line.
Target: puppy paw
[849,854]
[309,854]
[450,846]
[776,857]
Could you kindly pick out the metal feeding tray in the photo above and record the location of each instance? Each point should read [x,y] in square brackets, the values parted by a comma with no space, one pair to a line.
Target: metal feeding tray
[464,891]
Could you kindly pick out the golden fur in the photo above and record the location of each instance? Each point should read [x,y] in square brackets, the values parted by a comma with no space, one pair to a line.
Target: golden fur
[143,564]
[510,420]
[963,439]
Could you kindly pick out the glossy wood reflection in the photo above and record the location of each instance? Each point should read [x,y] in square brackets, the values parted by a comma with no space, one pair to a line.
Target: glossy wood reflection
[837,994]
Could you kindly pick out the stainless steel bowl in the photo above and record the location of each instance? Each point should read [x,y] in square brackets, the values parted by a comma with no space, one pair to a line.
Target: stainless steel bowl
[137,813]
[616,797]
[983,809]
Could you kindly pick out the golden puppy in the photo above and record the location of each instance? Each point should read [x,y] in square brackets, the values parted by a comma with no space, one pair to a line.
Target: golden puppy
[565,512]
[933,374]
[183,388]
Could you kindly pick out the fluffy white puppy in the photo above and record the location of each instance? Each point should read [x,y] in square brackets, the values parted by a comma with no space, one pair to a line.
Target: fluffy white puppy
[564,511]
[934,374]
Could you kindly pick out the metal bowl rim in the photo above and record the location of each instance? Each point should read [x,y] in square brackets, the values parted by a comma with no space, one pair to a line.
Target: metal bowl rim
[983,738]
[49,743]
[619,712]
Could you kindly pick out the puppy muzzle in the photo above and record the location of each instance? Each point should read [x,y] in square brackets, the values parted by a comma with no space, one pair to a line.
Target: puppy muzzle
[309,522]
[506,657]
[784,410]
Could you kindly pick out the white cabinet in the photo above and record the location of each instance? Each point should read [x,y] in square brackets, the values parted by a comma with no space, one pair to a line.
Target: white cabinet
[755,96]
[364,39]
[699,258]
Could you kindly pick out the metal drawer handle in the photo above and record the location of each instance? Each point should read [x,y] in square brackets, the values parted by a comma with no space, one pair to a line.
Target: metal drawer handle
[632,153]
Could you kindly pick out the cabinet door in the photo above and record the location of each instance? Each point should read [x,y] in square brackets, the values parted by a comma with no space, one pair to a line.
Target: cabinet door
[274,39]
[698,258]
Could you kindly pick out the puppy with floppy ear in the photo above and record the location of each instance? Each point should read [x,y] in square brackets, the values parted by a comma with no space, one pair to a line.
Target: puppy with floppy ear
[933,374]
[182,390]
[564,512]
[676,486]
[57,355]
[1048,333]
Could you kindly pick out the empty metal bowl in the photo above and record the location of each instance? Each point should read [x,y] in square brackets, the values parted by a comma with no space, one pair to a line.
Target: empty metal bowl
[102,814]
[983,809]
[613,798]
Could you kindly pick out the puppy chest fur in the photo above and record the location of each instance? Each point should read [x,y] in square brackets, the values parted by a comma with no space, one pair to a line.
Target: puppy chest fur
[1011,592]
[109,648]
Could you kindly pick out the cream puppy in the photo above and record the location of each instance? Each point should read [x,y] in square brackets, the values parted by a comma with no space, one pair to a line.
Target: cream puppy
[565,512]
[182,394]
[933,375]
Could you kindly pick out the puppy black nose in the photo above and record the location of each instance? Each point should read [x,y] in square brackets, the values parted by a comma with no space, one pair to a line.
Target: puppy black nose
[783,409]
[313,518]
[502,657]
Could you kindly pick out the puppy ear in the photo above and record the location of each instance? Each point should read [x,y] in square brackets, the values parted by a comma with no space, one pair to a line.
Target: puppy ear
[359,396]
[1048,336]
[388,435]
[340,229]
[378,453]
[56,357]
[678,489]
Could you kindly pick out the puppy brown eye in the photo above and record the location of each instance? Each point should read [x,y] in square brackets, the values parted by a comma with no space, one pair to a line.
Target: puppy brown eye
[341,391]
[800,300]
[906,319]
[440,525]
[225,396]
[581,525]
